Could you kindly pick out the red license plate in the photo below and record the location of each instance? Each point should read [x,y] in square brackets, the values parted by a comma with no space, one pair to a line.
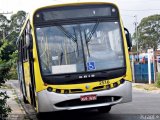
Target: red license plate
[88,97]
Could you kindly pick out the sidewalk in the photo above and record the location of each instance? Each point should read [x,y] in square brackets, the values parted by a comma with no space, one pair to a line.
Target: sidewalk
[17,112]
[146,88]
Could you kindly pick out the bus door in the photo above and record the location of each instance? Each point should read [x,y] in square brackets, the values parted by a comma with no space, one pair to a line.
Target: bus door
[20,70]
[28,65]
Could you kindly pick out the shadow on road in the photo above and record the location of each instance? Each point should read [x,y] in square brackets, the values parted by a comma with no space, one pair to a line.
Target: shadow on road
[86,115]
[72,115]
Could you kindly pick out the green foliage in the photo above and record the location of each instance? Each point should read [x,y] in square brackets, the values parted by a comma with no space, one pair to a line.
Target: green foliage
[8,52]
[158,80]
[149,32]
[5,63]
[14,58]
[134,48]
[9,31]
[4,109]
[17,20]
[5,66]
[4,26]
[13,62]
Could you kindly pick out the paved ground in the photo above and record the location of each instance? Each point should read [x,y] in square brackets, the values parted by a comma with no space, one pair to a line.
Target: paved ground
[28,113]
[145,106]
[142,103]
[13,102]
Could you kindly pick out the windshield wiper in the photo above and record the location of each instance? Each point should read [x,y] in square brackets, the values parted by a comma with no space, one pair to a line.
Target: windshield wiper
[92,32]
[66,33]
[87,39]
[85,36]
[69,35]
[76,40]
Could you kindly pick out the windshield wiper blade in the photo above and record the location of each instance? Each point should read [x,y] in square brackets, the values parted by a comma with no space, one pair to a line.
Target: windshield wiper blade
[85,36]
[69,35]
[92,32]
[66,33]
[90,36]
[76,40]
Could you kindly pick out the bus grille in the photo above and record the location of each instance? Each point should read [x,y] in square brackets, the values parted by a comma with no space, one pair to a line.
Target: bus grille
[78,102]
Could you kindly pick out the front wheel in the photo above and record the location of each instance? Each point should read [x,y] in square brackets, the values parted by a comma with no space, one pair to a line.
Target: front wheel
[105,109]
[41,115]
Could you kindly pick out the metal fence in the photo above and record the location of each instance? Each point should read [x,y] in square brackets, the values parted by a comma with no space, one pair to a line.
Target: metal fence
[141,73]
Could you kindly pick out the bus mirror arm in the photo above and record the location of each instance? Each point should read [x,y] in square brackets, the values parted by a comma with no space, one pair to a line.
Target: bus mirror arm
[128,38]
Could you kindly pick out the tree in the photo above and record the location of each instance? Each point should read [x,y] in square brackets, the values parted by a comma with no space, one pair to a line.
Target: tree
[9,31]
[4,26]
[4,48]
[17,21]
[149,32]
[4,64]
[4,68]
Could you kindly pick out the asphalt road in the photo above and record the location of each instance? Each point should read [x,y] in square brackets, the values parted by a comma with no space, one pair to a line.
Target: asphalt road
[144,106]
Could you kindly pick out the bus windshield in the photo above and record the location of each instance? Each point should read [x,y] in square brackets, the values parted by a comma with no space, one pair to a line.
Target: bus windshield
[81,47]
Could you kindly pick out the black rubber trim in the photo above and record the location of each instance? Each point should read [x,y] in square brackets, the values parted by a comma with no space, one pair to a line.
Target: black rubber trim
[74,78]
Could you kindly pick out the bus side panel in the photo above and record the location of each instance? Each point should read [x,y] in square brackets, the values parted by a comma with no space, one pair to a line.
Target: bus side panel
[27,79]
[128,66]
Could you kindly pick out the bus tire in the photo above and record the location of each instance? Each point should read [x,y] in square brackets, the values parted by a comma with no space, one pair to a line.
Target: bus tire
[105,109]
[41,115]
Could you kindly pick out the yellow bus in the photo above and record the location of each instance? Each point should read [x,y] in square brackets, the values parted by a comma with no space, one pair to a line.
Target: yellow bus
[75,56]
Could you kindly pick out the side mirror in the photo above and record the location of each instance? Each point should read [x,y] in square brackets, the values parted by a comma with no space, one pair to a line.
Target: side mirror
[28,41]
[128,38]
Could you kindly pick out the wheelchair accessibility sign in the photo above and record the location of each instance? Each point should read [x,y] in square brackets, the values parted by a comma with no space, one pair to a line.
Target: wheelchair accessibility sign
[91,66]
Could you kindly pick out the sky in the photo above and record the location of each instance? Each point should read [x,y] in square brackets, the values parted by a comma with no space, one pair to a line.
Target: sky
[131,10]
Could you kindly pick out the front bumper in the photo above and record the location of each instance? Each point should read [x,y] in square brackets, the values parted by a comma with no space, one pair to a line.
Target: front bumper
[47,100]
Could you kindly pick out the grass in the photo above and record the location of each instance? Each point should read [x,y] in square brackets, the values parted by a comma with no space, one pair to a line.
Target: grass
[150,87]
[16,99]
[158,80]
[4,86]
[13,74]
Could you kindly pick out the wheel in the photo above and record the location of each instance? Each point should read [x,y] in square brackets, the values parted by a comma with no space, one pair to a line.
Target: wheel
[41,115]
[105,109]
